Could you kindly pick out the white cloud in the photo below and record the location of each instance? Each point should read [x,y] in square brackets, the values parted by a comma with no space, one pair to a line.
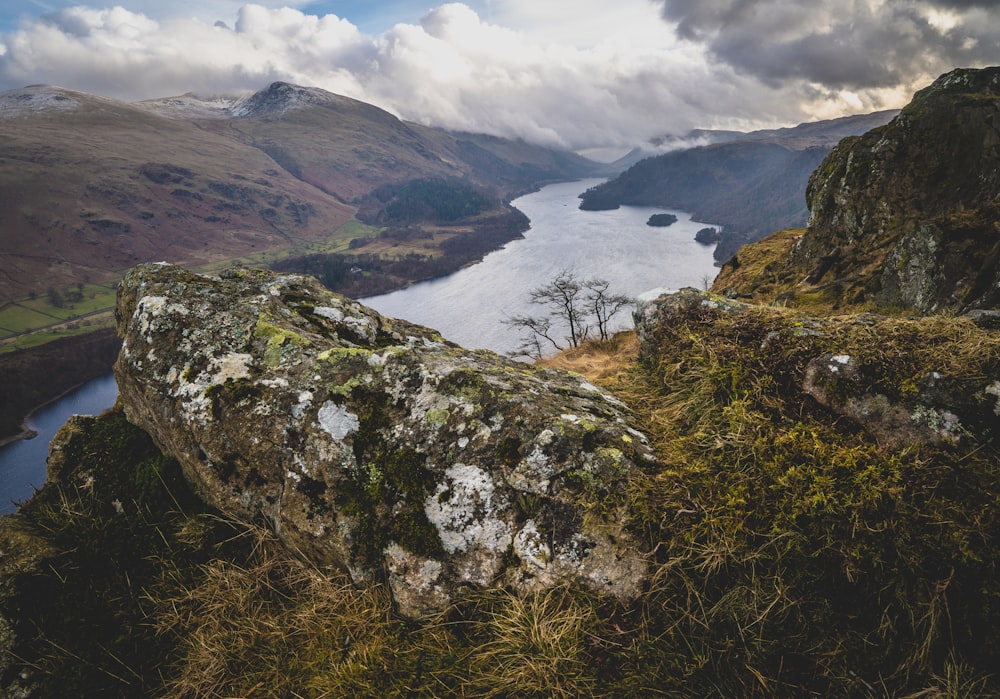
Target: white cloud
[591,73]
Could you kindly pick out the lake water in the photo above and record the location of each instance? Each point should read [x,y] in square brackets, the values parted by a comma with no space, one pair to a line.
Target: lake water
[469,306]
[22,463]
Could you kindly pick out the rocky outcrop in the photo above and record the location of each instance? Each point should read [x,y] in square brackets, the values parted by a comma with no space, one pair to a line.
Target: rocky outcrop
[904,382]
[372,444]
[907,214]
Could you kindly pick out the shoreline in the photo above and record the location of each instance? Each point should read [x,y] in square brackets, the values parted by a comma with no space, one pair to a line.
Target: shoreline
[26,431]
[37,377]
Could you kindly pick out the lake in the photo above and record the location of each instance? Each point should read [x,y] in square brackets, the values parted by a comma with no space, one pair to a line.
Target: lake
[467,307]
[22,463]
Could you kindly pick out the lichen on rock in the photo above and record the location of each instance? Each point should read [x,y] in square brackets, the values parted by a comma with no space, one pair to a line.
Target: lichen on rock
[373,445]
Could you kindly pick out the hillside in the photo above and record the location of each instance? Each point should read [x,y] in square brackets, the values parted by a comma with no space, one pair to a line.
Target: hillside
[905,216]
[750,184]
[97,185]
[92,186]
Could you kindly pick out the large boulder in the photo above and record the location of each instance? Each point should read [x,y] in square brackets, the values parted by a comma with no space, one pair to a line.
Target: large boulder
[374,445]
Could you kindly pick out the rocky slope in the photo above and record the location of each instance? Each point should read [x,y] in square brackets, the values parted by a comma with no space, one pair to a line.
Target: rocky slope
[823,507]
[906,215]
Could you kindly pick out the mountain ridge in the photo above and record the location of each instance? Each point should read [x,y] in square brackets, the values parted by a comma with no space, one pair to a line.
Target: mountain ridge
[97,185]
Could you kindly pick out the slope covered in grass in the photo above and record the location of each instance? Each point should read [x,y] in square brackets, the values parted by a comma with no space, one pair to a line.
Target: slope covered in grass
[794,552]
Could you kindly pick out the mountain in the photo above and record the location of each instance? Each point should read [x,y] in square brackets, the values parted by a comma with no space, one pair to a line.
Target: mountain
[347,148]
[94,185]
[750,184]
[904,216]
[826,132]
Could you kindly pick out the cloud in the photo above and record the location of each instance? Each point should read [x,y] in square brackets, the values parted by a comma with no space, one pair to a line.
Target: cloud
[459,71]
[124,54]
[453,69]
[607,73]
[867,45]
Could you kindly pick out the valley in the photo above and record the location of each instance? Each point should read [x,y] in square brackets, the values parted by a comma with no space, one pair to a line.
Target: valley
[783,484]
[92,186]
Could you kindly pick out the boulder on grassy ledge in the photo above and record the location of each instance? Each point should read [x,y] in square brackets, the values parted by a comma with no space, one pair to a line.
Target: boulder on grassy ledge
[374,445]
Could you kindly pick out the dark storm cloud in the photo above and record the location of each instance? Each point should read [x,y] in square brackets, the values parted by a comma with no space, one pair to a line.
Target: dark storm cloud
[841,44]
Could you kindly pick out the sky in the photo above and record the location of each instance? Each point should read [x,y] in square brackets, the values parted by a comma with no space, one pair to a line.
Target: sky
[581,74]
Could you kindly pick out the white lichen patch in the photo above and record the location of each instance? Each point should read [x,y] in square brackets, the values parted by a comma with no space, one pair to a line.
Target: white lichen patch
[534,473]
[414,581]
[337,421]
[231,366]
[150,308]
[465,509]
[334,314]
[305,399]
[532,548]
[943,423]
[837,361]
[994,390]
[279,382]
[587,386]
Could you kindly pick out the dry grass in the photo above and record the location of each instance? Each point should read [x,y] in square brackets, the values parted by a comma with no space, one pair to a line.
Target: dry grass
[595,360]
[793,556]
[272,626]
[794,553]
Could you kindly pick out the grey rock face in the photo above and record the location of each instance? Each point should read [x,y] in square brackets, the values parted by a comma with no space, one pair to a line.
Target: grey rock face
[911,207]
[374,445]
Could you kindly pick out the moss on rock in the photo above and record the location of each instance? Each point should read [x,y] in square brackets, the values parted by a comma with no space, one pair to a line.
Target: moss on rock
[343,427]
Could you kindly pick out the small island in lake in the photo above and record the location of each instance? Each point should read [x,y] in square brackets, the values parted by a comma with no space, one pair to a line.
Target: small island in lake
[708,236]
[661,220]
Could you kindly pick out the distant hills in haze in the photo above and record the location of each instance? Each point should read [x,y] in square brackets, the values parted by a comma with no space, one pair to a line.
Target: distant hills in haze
[750,184]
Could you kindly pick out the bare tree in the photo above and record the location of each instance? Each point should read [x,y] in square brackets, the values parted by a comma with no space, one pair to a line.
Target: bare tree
[537,339]
[570,304]
[562,294]
[603,304]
